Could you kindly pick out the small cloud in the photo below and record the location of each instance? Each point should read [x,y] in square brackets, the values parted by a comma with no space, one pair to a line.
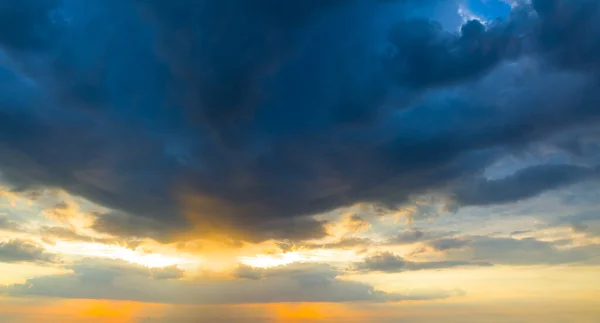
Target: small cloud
[355,223]
[448,244]
[9,225]
[21,251]
[62,211]
[170,272]
[414,235]
[520,232]
[247,272]
[388,262]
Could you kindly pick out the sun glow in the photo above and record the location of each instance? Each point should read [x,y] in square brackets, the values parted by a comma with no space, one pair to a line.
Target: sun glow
[274,260]
[152,260]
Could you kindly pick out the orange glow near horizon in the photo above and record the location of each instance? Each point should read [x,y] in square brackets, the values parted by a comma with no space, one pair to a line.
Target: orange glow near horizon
[105,311]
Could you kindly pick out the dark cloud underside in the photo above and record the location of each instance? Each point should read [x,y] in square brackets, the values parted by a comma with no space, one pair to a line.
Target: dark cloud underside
[243,116]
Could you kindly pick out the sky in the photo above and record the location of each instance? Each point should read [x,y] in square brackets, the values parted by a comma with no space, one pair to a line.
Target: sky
[300,161]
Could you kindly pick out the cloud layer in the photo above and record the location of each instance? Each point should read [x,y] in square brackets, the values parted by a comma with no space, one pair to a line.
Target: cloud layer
[20,251]
[227,116]
[116,280]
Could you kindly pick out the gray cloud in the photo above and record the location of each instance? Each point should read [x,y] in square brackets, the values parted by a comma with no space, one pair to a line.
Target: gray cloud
[121,224]
[125,225]
[518,252]
[117,280]
[414,235]
[388,262]
[408,237]
[447,244]
[344,243]
[170,272]
[8,225]
[585,222]
[248,272]
[17,251]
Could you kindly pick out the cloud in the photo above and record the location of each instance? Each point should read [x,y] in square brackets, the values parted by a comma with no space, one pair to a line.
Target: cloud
[53,233]
[343,243]
[247,272]
[171,272]
[20,251]
[124,225]
[426,55]
[523,184]
[517,252]
[414,235]
[447,244]
[585,222]
[239,54]
[388,262]
[244,119]
[62,211]
[26,25]
[8,225]
[355,223]
[95,279]
[561,32]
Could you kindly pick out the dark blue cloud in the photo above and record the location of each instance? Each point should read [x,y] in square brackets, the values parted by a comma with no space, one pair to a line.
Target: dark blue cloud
[427,55]
[247,115]
[524,183]
[29,24]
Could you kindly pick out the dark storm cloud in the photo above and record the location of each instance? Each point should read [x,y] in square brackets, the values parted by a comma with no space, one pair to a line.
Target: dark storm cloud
[388,262]
[568,31]
[222,51]
[561,31]
[18,251]
[524,183]
[427,55]
[242,116]
[28,24]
